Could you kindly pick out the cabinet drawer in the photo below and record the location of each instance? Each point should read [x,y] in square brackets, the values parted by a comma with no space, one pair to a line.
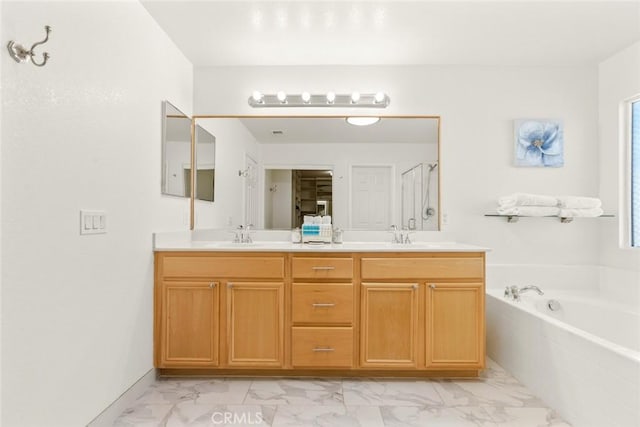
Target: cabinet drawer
[322,347]
[322,268]
[413,268]
[322,303]
[219,267]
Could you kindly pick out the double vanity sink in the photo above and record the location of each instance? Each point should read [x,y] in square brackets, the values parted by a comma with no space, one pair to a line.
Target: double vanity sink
[288,309]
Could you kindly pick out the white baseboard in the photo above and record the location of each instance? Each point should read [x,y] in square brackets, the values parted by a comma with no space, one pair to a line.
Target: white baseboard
[107,417]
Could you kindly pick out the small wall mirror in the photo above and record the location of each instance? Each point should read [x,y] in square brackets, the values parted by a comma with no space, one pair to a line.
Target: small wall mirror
[176,151]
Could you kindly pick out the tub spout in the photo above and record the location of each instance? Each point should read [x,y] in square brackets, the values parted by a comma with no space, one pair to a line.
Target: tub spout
[532,288]
[513,292]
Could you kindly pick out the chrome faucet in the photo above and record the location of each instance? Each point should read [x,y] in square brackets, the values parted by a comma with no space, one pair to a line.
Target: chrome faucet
[242,234]
[514,292]
[397,237]
[400,236]
[245,234]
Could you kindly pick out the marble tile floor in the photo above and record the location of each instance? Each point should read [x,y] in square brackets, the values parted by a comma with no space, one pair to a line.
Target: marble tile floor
[495,399]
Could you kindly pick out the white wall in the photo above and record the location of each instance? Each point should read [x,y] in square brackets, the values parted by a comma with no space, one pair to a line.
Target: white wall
[478,106]
[233,142]
[619,79]
[82,132]
[340,157]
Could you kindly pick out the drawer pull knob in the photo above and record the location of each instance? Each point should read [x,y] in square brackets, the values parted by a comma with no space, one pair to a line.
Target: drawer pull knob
[323,349]
[323,304]
[323,268]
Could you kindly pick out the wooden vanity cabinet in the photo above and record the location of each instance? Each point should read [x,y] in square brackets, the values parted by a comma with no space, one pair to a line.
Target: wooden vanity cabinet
[285,313]
[322,307]
[389,325]
[255,325]
[194,307]
[223,310]
[455,325]
[444,315]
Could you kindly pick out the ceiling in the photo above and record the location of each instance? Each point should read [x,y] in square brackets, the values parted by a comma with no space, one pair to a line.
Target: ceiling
[337,130]
[527,33]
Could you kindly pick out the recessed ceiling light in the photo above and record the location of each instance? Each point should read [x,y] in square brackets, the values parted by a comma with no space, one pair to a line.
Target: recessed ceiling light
[362,121]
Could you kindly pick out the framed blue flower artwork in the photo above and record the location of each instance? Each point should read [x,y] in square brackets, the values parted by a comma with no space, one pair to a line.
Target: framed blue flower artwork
[539,143]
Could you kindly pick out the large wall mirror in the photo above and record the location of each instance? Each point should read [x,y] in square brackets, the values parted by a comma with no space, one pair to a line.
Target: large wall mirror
[277,169]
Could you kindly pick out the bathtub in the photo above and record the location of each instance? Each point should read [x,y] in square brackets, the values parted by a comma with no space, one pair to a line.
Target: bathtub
[582,359]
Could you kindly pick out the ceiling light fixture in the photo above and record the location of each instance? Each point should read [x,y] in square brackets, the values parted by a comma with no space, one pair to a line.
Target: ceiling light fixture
[328,99]
[362,121]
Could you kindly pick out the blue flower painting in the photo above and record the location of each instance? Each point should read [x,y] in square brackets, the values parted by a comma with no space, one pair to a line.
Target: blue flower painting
[539,143]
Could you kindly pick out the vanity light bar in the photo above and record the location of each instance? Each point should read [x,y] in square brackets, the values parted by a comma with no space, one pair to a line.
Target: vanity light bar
[330,99]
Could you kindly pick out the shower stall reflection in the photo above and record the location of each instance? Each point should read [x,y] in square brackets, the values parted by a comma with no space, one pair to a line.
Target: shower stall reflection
[419,197]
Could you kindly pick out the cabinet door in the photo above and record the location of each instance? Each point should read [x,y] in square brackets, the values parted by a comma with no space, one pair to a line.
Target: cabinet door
[455,325]
[189,324]
[389,327]
[255,323]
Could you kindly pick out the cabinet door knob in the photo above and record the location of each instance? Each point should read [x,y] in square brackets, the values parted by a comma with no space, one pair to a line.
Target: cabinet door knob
[212,285]
[432,286]
[414,286]
[229,285]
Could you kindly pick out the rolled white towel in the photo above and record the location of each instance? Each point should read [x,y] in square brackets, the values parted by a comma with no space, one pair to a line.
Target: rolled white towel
[525,199]
[575,202]
[529,210]
[585,213]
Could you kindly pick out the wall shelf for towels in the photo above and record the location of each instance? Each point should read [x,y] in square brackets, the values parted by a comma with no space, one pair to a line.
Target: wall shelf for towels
[564,220]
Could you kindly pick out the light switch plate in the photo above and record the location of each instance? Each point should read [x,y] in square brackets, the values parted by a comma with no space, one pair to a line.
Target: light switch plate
[93,221]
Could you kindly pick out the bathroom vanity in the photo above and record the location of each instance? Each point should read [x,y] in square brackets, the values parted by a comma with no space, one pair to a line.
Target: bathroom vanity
[356,309]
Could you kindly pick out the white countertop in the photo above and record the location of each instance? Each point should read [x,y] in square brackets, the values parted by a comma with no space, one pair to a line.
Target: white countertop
[165,242]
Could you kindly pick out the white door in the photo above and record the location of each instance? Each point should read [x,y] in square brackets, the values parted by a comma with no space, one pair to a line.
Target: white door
[251,192]
[371,197]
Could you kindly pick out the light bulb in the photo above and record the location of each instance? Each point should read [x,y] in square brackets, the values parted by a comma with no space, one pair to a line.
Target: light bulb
[306,97]
[257,96]
[355,97]
[379,97]
[282,97]
[331,97]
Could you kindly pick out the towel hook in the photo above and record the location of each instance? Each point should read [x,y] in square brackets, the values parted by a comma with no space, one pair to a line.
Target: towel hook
[20,54]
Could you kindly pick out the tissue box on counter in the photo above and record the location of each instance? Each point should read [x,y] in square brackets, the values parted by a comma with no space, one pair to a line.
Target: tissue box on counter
[316,233]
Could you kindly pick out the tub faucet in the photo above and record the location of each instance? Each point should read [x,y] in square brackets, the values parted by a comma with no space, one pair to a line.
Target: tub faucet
[514,292]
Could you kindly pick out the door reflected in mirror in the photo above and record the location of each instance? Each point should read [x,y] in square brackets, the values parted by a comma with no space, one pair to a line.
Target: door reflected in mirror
[176,152]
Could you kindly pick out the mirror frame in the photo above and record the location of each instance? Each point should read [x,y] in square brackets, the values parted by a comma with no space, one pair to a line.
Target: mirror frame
[197,117]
